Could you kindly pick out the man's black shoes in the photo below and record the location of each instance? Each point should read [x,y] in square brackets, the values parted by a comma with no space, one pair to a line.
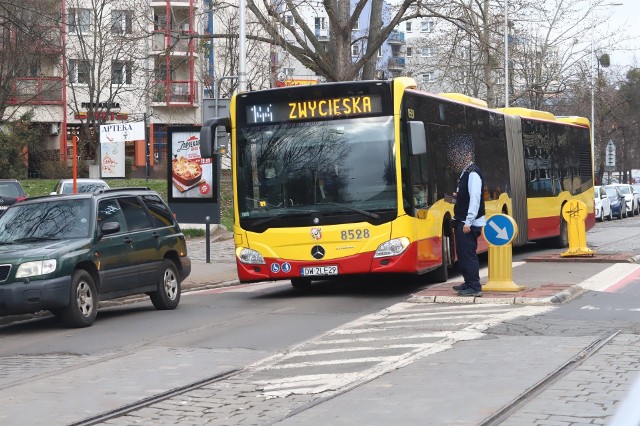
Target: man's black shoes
[460,287]
[469,292]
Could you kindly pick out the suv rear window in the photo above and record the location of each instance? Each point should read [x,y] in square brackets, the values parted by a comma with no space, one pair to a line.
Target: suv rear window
[160,213]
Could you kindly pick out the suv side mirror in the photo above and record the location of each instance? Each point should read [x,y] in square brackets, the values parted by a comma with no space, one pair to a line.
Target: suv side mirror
[110,228]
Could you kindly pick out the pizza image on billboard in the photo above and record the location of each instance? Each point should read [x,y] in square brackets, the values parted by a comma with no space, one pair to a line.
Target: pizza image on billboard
[186,173]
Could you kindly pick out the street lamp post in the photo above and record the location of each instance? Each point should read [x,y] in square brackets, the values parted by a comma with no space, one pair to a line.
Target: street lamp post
[242,50]
[506,53]
[593,85]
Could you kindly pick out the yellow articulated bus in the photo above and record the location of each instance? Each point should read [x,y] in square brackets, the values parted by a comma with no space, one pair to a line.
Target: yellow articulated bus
[350,178]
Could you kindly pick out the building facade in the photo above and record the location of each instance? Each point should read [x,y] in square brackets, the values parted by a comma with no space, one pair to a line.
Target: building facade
[108,62]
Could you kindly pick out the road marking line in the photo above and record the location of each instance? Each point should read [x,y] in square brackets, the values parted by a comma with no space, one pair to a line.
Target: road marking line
[433,335]
[615,273]
[373,359]
[295,354]
[413,320]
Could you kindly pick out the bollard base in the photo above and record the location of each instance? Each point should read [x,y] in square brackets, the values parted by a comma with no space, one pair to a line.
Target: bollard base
[502,286]
[580,251]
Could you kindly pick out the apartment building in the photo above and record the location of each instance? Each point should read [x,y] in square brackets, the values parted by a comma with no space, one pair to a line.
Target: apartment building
[111,62]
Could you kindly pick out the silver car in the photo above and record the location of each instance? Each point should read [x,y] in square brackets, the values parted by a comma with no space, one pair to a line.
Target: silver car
[602,204]
[65,186]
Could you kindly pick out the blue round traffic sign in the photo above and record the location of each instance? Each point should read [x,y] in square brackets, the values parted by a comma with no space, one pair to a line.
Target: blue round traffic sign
[500,230]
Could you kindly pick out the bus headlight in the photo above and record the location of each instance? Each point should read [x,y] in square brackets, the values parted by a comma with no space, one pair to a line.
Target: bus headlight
[392,247]
[251,257]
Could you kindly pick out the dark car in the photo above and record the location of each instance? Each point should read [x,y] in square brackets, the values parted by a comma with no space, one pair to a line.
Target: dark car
[66,253]
[617,200]
[10,193]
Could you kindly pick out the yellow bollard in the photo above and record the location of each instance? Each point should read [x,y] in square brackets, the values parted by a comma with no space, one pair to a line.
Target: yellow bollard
[499,232]
[575,213]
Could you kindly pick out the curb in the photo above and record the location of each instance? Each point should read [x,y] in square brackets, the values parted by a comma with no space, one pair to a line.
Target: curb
[558,298]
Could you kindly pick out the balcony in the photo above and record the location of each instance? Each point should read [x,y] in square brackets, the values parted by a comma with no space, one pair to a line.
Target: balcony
[396,63]
[161,43]
[396,37]
[174,93]
[163,3]
[37,91]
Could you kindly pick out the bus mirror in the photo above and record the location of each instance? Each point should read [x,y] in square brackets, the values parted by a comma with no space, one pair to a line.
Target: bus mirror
[209,141]
[417,138]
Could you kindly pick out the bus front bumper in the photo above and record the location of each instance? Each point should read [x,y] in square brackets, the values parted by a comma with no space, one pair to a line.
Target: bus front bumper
[283,269]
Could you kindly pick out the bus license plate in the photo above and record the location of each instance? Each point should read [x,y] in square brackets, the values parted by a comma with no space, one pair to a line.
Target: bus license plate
[320,270]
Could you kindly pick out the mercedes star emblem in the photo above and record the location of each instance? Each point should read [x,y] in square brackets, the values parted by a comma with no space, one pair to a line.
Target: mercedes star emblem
[317,252]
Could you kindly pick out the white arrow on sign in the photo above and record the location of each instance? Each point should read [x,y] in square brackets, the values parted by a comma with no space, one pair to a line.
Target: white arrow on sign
[501,232]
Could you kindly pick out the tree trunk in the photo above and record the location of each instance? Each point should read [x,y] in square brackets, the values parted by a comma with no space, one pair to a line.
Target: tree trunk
[375,26]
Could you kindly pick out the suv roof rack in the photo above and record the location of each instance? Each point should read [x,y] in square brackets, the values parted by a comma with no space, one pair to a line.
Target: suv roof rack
[123,188]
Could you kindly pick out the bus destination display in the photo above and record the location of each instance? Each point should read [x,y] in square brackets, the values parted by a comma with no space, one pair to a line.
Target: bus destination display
[343,107]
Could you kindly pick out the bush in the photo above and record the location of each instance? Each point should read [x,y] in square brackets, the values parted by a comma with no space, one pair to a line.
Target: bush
[55,169]
[128,165]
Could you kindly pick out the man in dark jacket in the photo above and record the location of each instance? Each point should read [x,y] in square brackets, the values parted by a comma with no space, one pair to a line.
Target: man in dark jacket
[468,222]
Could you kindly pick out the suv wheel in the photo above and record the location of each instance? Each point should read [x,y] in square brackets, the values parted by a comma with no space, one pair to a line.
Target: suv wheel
[83,302]
[167,296]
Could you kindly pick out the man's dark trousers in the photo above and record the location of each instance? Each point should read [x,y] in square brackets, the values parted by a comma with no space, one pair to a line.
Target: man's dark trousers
[466,246]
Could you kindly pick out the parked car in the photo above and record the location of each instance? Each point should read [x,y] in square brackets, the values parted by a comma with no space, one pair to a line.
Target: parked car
[65,186]
[66,253]
[11,192]
[602,204]
[632,201]
[617,201]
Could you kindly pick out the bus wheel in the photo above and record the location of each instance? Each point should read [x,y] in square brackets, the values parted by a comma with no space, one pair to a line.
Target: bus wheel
[301,283]
[562,240]
[441,274]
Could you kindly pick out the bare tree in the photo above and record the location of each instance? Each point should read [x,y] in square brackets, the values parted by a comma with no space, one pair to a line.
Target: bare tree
[226,52]
[331,58]
[547,47]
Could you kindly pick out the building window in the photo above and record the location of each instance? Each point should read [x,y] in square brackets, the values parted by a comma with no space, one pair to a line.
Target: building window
[380,52]
[120,72]
[288,72]
[409,29]
[355,50]
[427,77]
[409,51]
[79,21]
[427,52]
[121,21]
[426,26]
[356,26]
[289,19]
[79,71]
[321,23]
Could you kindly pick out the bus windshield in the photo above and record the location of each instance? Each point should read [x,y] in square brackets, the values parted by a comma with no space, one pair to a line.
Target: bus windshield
[324,168]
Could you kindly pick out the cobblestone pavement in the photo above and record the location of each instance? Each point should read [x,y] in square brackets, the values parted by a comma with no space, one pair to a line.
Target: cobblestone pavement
[589,394]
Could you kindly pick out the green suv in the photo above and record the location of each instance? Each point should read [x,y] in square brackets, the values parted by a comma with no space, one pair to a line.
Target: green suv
[66,253]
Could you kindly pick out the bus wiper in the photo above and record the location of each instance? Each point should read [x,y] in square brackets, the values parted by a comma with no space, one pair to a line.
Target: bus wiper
[362,212]
[34,239]
[290,212]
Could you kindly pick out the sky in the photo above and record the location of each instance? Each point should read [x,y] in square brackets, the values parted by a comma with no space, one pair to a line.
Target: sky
[627,16]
